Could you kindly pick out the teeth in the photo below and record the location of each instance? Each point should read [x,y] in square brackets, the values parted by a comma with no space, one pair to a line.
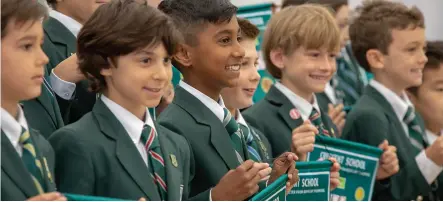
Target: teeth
[233,67]
[319,77]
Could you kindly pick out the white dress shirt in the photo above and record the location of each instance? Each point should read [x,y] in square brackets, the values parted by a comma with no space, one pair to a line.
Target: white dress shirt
[427,167]
[215,107]
[132,124]
[302,105]
[13,128]
[330,92]
[64,89]
[432,137]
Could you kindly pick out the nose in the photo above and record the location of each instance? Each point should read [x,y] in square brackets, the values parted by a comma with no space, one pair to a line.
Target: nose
[42,57]
[328,63]
[255,76]
[238,50]
[164,71]
[423,58]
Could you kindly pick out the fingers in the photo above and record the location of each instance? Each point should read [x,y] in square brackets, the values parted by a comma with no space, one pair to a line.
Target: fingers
[306,127]
[142,199]
[265,172]
[384,145]
[53,196]
[245,166]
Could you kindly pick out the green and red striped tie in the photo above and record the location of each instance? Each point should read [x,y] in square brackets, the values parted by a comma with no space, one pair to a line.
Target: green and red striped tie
[156,162]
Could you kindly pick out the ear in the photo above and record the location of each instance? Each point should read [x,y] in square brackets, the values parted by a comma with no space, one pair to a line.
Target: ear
[277,58]
[375,59]
[183,55]
[108,71]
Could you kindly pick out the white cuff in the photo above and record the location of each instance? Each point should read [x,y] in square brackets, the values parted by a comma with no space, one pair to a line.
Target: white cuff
[210,195]
[427,167]
[63,89]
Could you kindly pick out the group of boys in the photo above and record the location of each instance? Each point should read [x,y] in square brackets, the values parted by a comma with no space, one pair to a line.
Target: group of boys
[78,121]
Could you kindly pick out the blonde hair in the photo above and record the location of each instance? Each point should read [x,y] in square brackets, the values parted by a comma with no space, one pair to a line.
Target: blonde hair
[311,26]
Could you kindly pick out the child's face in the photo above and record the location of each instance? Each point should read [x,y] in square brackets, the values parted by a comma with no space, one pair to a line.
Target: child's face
[217,58]
[240,96]
[80,10]
[430,95]
[23,61]
[140,77]
[308,71]
[342,20]
[406,57]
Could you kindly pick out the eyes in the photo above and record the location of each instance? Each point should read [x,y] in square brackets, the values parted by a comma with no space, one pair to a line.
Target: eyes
[224,41]
[147,61]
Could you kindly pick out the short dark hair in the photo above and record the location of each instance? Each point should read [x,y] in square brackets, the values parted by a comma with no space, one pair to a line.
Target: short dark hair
[334,4]
[21,11]
[248,30]
[434,53]
[372,28]
[190,15]
[119,28]
[287,3]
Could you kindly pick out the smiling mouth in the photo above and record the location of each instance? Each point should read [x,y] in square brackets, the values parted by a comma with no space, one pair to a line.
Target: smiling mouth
[154,90]
[322,78]
[233,68]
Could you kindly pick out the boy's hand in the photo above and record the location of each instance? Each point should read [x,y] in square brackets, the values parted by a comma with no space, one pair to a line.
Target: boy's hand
[240,183]
[435,151]
[388,161]
[338,116]
[303,139]
[53,196]
[68,70]
[335,174]
[285,163]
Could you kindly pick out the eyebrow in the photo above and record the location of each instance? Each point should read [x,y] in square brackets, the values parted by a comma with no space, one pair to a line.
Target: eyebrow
[29,37]
[227,31]
[144,52]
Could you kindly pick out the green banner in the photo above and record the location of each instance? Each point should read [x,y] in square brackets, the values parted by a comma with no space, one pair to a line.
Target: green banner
[358,162]
[274,192]
[314,182]
[78,197]
[259,15]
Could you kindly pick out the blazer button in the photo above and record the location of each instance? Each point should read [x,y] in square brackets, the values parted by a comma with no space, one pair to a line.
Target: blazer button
[419,198]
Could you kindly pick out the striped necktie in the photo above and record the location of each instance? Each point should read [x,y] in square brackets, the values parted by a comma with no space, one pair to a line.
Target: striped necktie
[236,135]
[32,163]
[315,118]
[156,162]
[414,130]
[250,143]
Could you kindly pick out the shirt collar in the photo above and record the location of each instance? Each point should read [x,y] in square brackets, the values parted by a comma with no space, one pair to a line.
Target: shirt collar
[240,119]
[329,91]
[399,104]
[13,127]
[132,124]
[302,105]
[432,137]
[72,25]
[215,107]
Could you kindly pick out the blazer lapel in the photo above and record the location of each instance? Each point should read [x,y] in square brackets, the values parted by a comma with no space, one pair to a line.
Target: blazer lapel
[45,101]
[277,98]
[59,34]
[13,166]
[219,136]
[171,165]
[126,151]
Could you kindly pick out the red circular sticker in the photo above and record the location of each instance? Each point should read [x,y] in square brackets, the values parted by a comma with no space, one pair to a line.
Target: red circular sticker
[294,114]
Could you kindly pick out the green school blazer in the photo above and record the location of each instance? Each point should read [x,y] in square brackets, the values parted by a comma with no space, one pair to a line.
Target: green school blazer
[212,156]
[17,184]
[323,101]
[60,44]
[371,121]
[43,113]
[95,156]
[271,116]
